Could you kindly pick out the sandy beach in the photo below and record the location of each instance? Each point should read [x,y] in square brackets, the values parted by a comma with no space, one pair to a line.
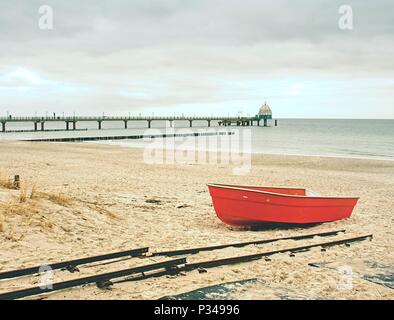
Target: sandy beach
[87,199]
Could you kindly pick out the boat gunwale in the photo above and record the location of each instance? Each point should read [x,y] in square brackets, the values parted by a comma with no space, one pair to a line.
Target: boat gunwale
[234,187]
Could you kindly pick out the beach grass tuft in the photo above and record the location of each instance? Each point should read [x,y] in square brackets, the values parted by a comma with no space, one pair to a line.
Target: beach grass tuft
[105,211]
[5,181]
[33,192]
[57,198]
[13,208]
[22,194]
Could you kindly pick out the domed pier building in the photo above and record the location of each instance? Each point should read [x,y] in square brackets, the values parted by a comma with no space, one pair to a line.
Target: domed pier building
[265,113]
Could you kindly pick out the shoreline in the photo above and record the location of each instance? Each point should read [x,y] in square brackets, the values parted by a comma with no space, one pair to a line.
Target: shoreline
[336,156]
[254,153]
[315,137]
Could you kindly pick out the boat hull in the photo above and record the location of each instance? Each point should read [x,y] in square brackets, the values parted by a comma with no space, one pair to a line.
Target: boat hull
[246,206]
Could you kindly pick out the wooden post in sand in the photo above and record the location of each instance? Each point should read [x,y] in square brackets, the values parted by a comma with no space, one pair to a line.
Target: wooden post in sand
[17,182]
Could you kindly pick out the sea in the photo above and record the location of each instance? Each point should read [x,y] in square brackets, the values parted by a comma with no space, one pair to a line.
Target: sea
[347,138]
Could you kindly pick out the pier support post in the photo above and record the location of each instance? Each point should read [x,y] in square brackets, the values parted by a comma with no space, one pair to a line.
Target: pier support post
[265,122]
[74,125]
[99,125]
[35,126]
[3,126]
[125,124]
[67,125]
[42,126]
[258,123]
[149,123]
[209,123]
[191,123]
[276,123]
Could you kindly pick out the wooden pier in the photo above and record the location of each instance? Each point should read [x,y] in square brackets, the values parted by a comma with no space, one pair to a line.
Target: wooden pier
[71,122]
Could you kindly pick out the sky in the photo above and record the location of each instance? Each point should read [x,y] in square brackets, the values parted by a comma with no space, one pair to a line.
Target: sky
[198,57]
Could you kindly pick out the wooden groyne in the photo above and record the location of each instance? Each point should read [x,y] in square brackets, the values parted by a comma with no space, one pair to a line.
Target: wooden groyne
[166,135]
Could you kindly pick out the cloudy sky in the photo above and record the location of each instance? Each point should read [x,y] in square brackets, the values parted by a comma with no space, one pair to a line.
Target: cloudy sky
[198,57]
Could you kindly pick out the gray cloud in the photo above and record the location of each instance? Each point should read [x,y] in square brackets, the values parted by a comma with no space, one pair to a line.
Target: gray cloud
[122,54]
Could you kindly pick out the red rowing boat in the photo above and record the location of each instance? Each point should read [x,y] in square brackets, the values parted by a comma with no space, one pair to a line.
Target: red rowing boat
[248,206]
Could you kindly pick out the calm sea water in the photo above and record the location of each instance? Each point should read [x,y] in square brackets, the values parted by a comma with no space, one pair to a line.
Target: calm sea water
[373,139]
